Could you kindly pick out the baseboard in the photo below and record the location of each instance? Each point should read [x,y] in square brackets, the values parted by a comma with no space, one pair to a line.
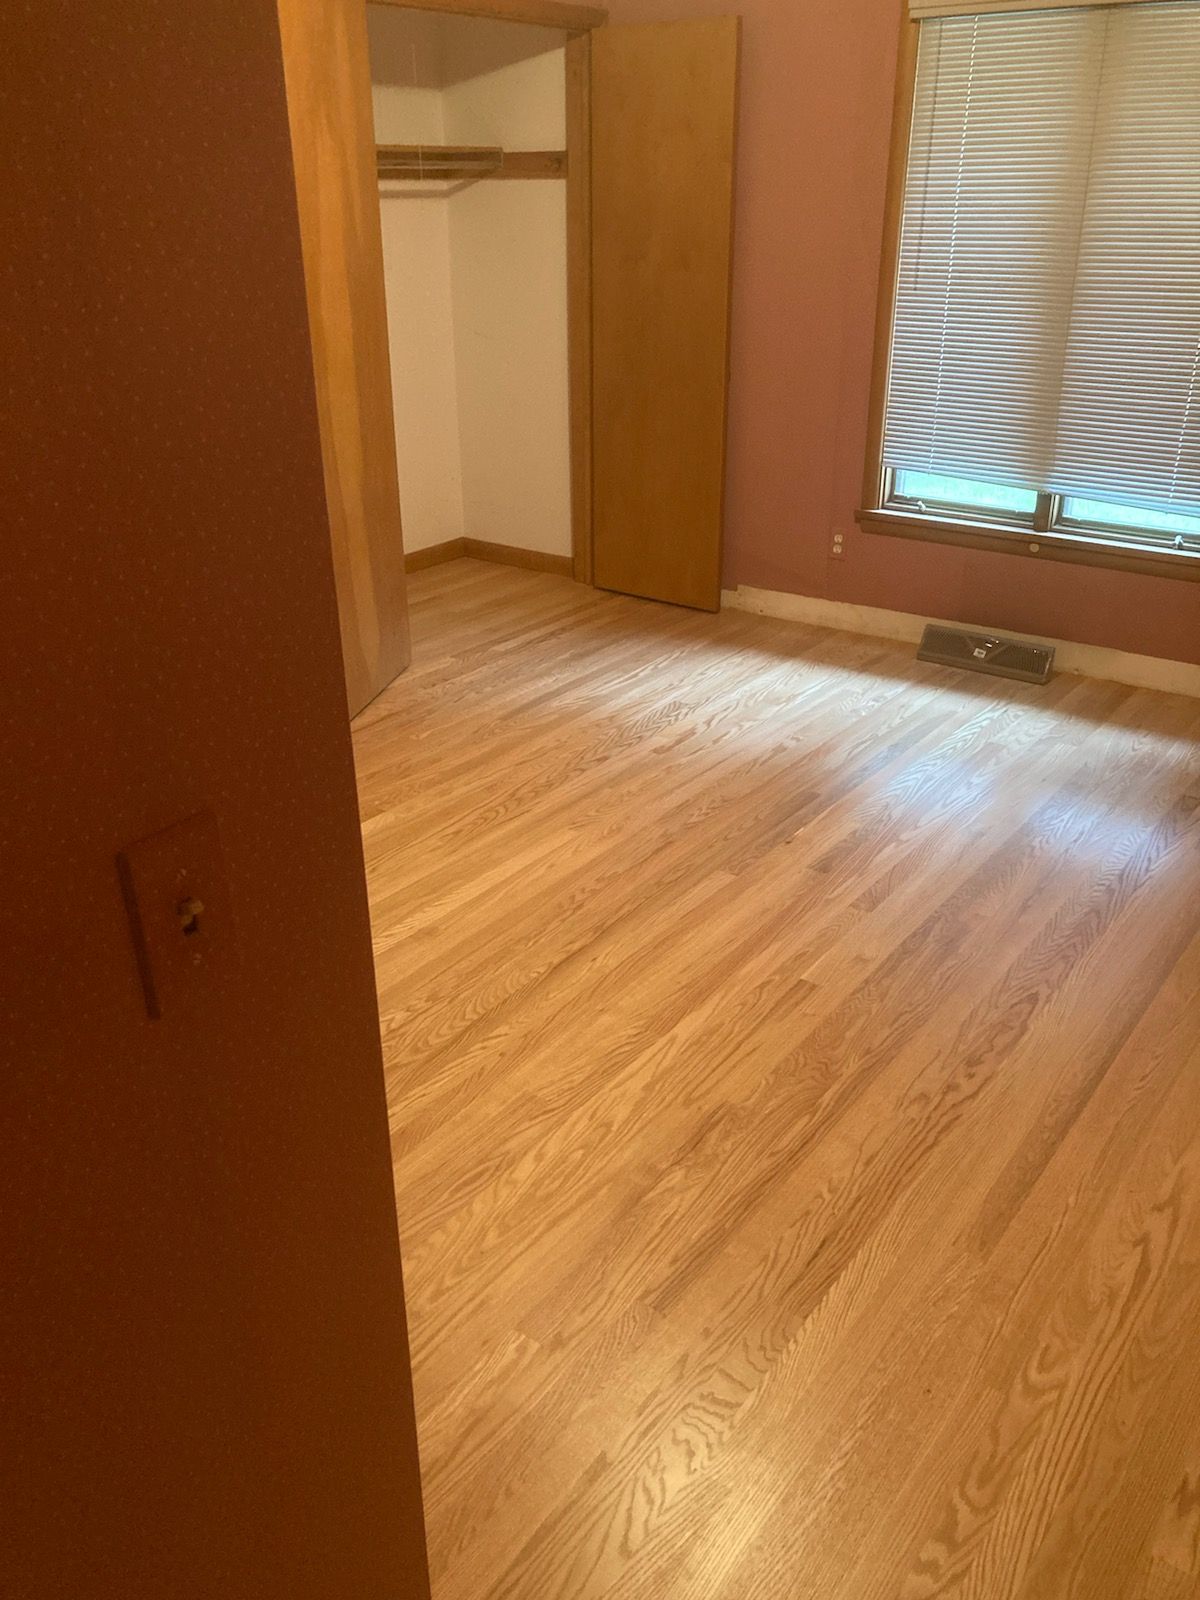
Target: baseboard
[507,555]
[1090,660]
[435,555]
[511,555]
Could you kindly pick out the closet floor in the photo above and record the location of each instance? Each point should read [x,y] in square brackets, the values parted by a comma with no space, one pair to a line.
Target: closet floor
[793,1061]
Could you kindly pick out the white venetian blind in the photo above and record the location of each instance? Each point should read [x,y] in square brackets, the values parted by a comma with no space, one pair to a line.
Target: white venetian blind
[1047,317]
[1129,416]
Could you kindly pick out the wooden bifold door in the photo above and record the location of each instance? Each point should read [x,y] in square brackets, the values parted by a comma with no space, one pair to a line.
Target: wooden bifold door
[650,196]
[333,151]
[664,108]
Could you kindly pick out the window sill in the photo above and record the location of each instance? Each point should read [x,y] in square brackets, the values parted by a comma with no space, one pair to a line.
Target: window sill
[1078,548]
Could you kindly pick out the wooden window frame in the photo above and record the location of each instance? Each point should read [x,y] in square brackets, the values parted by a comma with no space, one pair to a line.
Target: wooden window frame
[1044,538]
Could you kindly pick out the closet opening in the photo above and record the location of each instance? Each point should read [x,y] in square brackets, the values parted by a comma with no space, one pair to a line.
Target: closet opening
[517,245]
[471,129]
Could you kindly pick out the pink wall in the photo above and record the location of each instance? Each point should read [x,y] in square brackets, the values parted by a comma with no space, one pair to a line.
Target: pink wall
[818,78]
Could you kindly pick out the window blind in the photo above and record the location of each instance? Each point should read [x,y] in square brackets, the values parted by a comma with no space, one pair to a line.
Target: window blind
[1129,414]
[1047,318]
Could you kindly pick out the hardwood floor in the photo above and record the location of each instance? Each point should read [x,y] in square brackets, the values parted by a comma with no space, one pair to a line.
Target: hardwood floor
[794,1070]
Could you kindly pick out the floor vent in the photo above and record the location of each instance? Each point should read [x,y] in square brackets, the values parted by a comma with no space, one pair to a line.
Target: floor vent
[984,652]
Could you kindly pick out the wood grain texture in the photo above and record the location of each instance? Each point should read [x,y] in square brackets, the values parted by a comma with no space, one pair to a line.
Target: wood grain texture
[436,162]
[435,555]
[539,13]
[447,162]
[333,147]
[579,296]
[505,555]
[532,164]
[889,258]
[511,555]
[664,116]
[792,1062]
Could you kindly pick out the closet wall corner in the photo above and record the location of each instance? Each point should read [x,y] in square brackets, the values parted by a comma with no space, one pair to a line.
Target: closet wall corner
[470,125]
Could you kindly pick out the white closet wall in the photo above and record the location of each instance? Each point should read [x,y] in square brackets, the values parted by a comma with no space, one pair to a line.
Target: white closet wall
[406,67]
[477,284]
[508,256]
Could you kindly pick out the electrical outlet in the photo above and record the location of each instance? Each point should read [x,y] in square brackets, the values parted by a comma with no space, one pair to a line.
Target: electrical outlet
[177,898]
[839,546]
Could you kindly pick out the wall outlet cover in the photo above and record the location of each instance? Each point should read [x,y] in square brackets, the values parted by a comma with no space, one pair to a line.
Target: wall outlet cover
[177,896]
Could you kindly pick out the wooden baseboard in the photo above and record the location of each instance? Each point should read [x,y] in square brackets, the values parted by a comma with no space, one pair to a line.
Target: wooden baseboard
[507,555]
[1090,660]
[451,550]
[511,555]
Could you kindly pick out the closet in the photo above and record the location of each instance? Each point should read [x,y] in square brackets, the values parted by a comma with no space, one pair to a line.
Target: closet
[516,223]
[470,127]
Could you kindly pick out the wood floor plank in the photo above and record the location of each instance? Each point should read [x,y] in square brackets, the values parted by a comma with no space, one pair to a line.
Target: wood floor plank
[794,1068]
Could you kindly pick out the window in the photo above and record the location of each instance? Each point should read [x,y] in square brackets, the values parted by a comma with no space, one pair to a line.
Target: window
[1041,385]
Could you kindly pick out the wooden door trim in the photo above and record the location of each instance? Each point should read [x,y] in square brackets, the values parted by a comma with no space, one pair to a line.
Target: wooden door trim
[579,299]
[327,78]
[538,13]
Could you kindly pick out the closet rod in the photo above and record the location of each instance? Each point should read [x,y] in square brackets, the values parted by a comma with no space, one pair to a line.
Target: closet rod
[440,163]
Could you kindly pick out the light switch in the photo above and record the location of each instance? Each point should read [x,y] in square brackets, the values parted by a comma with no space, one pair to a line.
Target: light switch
[177,897]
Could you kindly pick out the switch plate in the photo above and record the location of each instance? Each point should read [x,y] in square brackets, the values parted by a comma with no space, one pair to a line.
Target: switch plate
[177,896]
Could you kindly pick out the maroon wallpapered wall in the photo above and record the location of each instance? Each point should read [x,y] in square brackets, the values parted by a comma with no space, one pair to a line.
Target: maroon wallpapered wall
[205,1355]
[817,91]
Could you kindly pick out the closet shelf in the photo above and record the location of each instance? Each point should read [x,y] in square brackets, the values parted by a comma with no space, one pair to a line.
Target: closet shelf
[441,163]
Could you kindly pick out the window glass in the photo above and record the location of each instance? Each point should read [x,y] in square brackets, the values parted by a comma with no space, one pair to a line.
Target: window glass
[934,489]
[1104,514]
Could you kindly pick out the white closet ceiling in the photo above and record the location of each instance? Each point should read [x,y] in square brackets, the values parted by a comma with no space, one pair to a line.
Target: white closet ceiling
[435,50]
